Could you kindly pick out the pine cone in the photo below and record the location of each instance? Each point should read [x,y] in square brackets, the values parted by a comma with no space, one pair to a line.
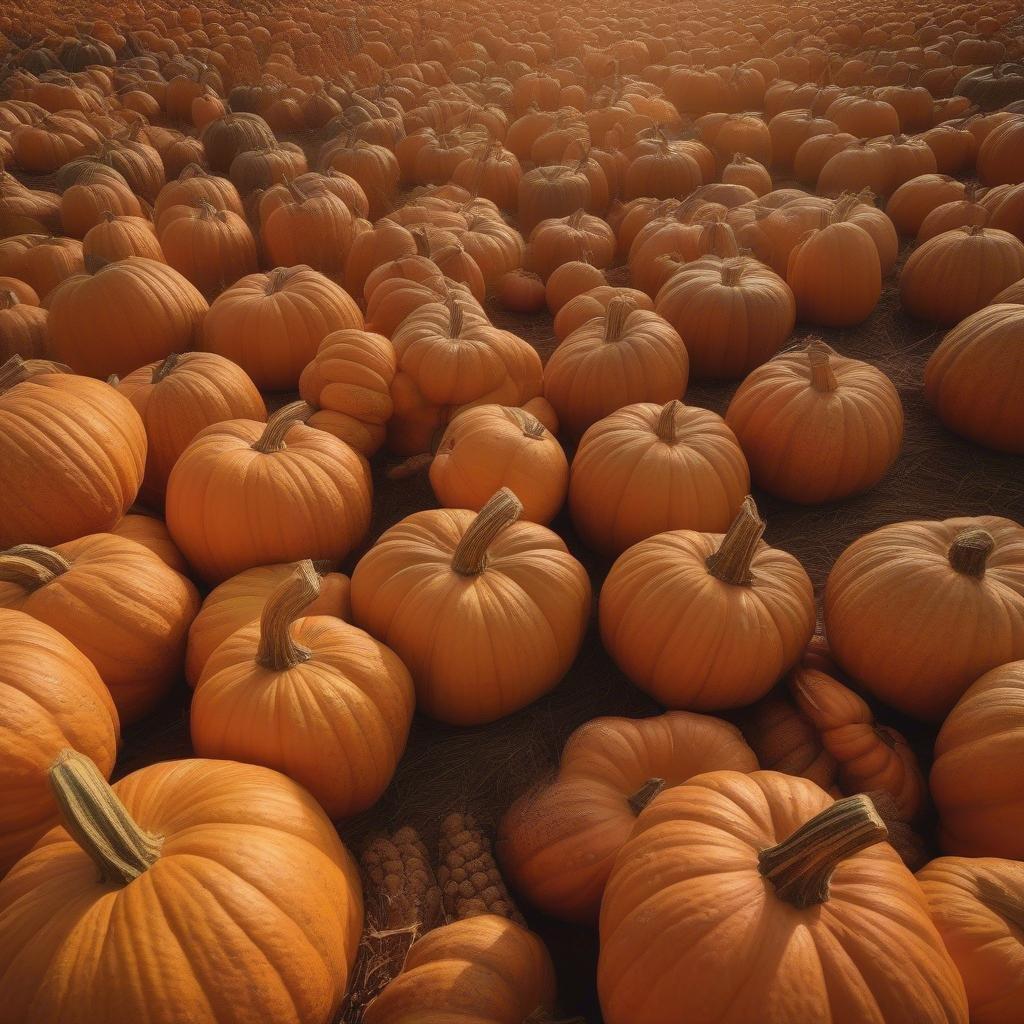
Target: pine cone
[398,875]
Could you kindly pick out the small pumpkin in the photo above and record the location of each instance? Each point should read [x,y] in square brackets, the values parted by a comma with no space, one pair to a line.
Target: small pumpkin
[121,237]
[703,621]
[435,589]
[22,327]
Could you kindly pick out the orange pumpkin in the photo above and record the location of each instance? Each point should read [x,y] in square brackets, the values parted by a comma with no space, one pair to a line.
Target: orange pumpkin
[975,779]
[348,700]
[119,604]
[594,303]
[22,328]
[51,697]
[728,849]
[40,261]
[816,426]
[314,230]
[179,396]
[120,237]
[202,834]
[314,493]
[911,203]
[916,611]
[558,842]
[646,469]
[704,621]
[435,589]
[194,184]
[153,535]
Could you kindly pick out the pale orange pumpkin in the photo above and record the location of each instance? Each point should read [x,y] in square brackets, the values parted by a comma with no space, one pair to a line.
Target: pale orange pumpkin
[594,303]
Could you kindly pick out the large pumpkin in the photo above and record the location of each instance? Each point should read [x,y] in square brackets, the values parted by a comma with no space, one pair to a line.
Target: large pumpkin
[179,396]
[93,913]
[487,447]
[976,779]
[816,426]
[647,468]
[73,452]
[323,702]
[557,843]
[762,899]
[704,621]
[440,587]
[916,611]
[117,602]
[246,493]
[977,904]
[51,697]
[123,316]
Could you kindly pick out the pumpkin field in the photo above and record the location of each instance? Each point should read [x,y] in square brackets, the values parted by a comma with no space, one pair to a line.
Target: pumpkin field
[511,513]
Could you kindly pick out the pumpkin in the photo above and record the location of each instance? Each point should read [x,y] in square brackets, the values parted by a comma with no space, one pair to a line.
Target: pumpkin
[816,426]
[973,379]
[560,240]
[22,328]
[261,168]
[594,303]
[82,205]
[51,697]
[348,383]
[179,396]
[965,212]
[977,904]
[436,588]
[224,138]
[726,850]
[956,273]
[153,535]
[521,291]
[911,203]
[871,758]
[975,778]
[703,621]
[201,834]
[628,355]
[194,184]
[313,691]
[314,230]
[74,451]
[313,490]
[487,447]
[557,843]
[732,313]
[571,279]
[835,274]
[485,968]
[22,291]
[122,316]
[916,611]
[272,324]
[999,155]
[370,249]
[121,237]
[40,261]
[646,469]
[547,192]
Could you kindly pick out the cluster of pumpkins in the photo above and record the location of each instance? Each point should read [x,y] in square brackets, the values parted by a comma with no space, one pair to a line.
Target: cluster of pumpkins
[244,252]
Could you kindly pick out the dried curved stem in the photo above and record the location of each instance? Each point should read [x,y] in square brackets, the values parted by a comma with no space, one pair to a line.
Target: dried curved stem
[470,557]
[645,794]
[31,566]
[819,355]
[277,650]
[278,425]
[731,562]
[166,367]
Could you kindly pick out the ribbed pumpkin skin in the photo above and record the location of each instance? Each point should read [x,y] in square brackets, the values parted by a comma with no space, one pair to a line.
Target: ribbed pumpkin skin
[153,535]
[809,445]
[973,380]
[975,779]
[124,609]
[22,328]
[201,388]
[627,483]
[272,324]
[337,724]
[557,843]
[965,898]
[48,496]
[311,499]
[694,641]
[349,382]
[910,628]
[120,238]
[240,600]
[211,248]
[593,303]
[125,315]
[689,874]
[488,447]
[51,697]
[249,852]
[492,969]
[478,647]
[732,314]
[40,261]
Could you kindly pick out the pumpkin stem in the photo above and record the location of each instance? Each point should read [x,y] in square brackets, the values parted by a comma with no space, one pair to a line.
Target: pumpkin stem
[731,562]
[278,651]
[822,376]
[732,271]
[17,370]
[410,467]
[272,438]
[93,263]
[975,229]
[277,279]
[31,566]
[666,426]
[8,299]
[166,367]
[998,898]
[799,868]
[615,317]
[645,794]
[501,510]
[969,552]
[422,242]
[530,425]
[454,317]
[98,822]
